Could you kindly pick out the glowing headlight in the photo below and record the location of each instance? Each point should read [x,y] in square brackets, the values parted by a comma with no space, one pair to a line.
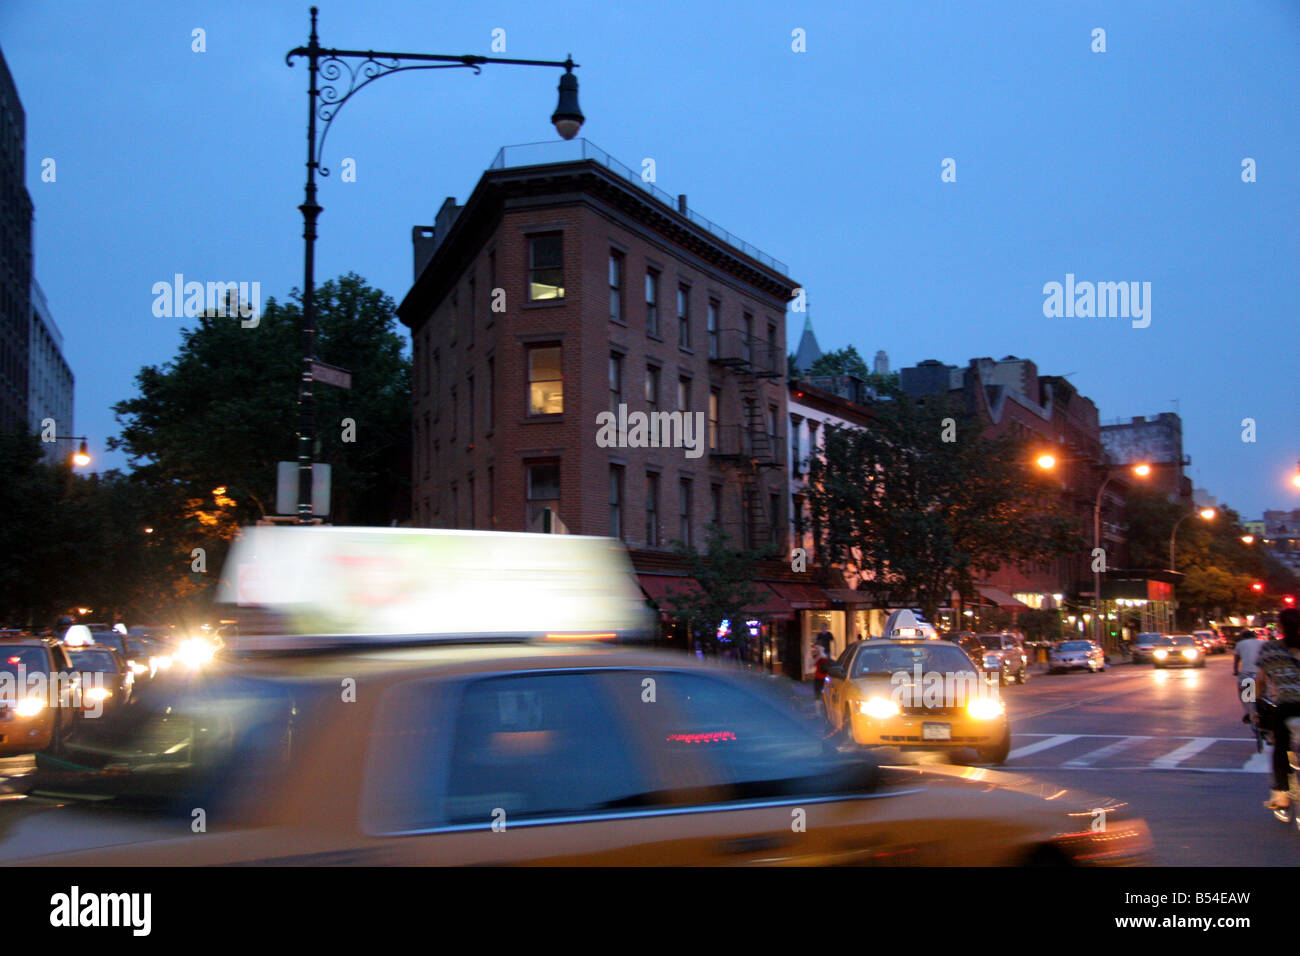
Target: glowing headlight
[194,653]
[138,668]
[985,708]
[1161,654]
[98,693]
[29,707]
[1190,653]
[878,707]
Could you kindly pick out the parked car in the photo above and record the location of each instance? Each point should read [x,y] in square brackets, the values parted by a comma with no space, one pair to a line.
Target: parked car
[1209,641]
[1073,655]
[1145,645]
[1000,649]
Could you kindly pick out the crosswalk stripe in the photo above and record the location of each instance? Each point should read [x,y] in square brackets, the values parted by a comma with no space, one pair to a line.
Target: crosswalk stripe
[1101,753]
[1260,762]
[1175,757]
[1053,741]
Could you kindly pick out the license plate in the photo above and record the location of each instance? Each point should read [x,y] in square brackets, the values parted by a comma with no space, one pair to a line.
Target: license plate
[936,732]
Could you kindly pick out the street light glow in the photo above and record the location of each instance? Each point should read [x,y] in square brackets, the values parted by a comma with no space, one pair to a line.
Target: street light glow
[1142,470]
[1046,462]
[1247,539]
[81,458]
[1208,514]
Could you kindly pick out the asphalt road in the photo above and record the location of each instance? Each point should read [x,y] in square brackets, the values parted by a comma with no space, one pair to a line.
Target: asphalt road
[1170,743]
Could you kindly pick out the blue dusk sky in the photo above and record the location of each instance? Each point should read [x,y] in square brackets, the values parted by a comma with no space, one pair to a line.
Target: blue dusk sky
[1123,165]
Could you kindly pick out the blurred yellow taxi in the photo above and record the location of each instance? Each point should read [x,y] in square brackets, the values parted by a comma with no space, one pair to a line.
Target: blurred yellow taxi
[916,693]
[495,747]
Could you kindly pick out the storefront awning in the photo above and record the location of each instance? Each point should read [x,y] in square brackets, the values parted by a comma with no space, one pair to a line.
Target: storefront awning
[801,597]
[1001,599]
[661,588]
[769,604]
[850,596]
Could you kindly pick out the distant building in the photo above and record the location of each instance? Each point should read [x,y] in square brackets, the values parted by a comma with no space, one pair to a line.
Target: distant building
[1201,498]
[1281,537]
[882,363]
[809,351]
[1157,441]
[49,378]
[1011,398]
[15,256]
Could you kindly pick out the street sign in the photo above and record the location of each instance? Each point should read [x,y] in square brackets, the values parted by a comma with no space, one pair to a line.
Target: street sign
[330,374]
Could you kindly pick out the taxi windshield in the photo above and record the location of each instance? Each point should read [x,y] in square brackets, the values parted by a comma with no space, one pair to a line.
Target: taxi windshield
[1074,646]
[226,740]
[939,658]
[99,661]
[1184,640]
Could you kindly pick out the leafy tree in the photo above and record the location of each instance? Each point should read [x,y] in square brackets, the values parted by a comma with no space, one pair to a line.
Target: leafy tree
[725,576]
[845,361]
[920,504]
[223,412]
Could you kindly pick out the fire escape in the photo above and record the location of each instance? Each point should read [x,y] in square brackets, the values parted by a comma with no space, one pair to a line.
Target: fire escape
[757,446]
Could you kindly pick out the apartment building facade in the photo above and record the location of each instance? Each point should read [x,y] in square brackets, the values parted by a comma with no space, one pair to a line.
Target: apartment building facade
[564,294]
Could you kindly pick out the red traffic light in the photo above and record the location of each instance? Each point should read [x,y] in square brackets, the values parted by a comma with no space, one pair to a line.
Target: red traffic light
[1289,600]
[1257,587]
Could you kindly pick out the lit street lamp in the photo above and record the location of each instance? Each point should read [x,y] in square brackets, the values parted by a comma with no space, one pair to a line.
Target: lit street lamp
[1206,514]
[80,457]
[323,104]
[1047,462]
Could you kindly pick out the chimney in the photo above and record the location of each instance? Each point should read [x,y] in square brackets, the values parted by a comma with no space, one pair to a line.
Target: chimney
[422,240]
[681,203]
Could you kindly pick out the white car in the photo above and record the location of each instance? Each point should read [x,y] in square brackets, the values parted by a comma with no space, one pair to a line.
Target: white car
[1069,655]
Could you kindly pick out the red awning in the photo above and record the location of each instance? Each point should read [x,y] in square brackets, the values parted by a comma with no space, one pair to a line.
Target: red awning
[769,604]
[801,596]
[661,587]
[1001,599]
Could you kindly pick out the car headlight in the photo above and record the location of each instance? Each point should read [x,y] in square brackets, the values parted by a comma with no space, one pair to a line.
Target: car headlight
[98,693]
[1162,654]
[29,707]
[138,668]
[1190,653]
[878,707]
[985,708]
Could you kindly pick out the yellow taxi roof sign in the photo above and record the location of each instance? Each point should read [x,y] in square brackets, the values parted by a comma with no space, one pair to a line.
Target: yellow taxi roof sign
[326,580]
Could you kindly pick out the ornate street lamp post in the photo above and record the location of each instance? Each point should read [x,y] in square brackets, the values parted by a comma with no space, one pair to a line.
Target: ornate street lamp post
[357,69]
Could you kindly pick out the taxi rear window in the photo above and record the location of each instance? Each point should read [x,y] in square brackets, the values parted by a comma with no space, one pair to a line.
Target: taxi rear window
[32,660]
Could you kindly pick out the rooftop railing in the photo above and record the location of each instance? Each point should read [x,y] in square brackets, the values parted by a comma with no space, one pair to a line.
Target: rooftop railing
[574,150]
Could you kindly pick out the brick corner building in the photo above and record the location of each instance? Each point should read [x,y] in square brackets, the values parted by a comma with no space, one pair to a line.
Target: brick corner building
[565,289]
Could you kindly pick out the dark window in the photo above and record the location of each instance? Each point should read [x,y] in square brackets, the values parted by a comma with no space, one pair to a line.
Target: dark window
[616,286]
[615,501]
[716,514]
[715,399]
[455,413]
[713,328]
[545,267]
[652,388]
[683,394]
[747,346]
[684,316]
[652,509]
[652,302]
[543,491]
[684,509]
[491,393]
[615,381]
[773,517]
[469,315]
[469,398]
